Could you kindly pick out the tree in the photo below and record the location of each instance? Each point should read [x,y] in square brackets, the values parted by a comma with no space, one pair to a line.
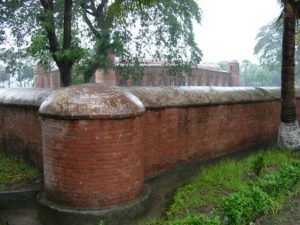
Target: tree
[2,20]
[126,29]
[252,74]
[45,20]
[289,133]
[3,75]
[269,45]
[269,48]
[132,30]
[65,54]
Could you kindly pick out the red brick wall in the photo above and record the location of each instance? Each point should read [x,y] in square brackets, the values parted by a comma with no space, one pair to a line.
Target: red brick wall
[156,75]
[91,163]
[20,127]
[38,80]
[95,161]
[21,134]
[103,77]
[178,135]
[46,80]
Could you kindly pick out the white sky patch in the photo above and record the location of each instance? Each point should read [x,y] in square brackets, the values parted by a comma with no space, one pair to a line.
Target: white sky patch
[229,28]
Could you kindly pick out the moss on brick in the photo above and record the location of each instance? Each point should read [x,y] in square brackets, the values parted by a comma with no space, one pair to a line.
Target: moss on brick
[13,171]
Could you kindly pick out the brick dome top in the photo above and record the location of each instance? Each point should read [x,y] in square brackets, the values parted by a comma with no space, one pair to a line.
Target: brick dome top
[91,101]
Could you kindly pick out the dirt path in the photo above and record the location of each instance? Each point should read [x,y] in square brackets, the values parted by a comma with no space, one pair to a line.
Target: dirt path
[289,215]
[19,216]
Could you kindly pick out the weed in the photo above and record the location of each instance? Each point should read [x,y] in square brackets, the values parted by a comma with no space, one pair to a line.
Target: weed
[237,198]
[258,165]
[12,171]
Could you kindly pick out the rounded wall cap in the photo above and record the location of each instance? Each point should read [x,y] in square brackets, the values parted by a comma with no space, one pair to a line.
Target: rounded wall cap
[24,97]
[91,101]
[166,97]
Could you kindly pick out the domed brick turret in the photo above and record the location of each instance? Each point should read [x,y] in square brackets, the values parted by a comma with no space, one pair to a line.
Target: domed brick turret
[84,165]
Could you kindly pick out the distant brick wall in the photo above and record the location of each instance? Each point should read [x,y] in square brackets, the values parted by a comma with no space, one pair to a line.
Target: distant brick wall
[43,79]
[156,75]
[99,142]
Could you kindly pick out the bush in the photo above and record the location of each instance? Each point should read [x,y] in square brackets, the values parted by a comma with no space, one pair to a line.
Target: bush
[258,165]
[198,220]
[244,206]
[245,198]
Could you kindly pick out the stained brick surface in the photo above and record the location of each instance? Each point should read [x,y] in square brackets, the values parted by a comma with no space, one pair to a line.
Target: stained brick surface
[21,133]
[93,163]
[102,162]
[175,135]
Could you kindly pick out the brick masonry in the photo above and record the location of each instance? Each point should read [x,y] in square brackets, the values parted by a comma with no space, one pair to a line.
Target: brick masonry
[179,135]
[21,134]
[20,127]
[100,142]
[154,75]
[100,165]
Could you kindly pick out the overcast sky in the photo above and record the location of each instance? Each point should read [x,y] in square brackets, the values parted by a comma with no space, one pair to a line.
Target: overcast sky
[228,28]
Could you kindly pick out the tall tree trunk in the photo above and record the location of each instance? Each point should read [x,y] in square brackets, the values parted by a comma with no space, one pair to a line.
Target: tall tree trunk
[65,67]
[68,24]
[288,108]
[64,64]
[288,136]
[65,70]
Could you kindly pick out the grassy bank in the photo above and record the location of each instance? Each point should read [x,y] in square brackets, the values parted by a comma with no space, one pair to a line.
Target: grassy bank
[14,172]
[236,191]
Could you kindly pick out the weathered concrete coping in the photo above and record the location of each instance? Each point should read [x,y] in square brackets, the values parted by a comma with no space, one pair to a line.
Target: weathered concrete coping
[99,101]
[91,101]
[164,97]
[23,97]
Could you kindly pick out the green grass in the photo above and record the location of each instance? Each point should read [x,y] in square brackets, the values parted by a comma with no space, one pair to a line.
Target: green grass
[2,222]
[209,188]
[12,171]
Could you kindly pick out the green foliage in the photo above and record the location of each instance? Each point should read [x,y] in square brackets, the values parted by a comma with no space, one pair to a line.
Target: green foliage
[258,165]
[39,49]
[3,74]
[269,43]
[269,50]
[2,22]
[244,207]
[138,30]
[12,171]
[282,182]
[101,223]
[16,65]
[197,220]
[257,75]
[40,29]
[77,78]
[229,186]
[131,30]
[2,222]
